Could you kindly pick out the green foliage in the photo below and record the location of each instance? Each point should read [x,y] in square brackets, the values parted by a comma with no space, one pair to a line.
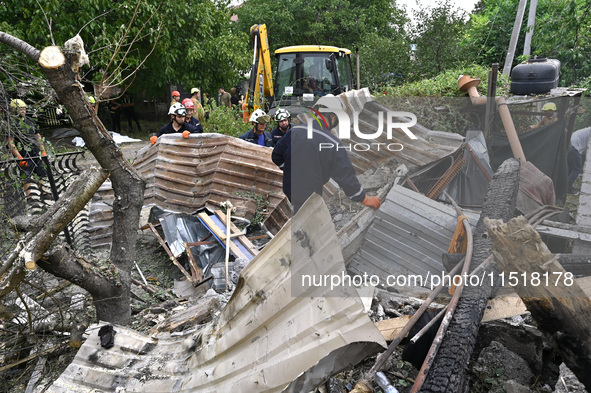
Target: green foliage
[187,43]
[381,56]
[437,36]
[561,32]
[446,84]
[486,39]
[342,23]
[225,121]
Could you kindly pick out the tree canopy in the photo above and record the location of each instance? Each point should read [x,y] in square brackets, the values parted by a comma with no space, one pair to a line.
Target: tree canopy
[187,43]
[343,23]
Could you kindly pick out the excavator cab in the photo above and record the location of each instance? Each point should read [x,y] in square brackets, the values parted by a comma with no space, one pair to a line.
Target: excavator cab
[304,74]
[307,72]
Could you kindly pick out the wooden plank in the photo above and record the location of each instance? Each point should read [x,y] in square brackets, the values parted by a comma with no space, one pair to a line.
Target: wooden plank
[391,327]
[237,232]
[505,306]
[172,258]
[218,233]
[195,270]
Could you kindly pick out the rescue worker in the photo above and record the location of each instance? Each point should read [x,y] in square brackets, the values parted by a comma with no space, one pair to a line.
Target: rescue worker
[309,163]
[176,97]
[26,144]
[258,134]
[199,112]
[92,101]
[128,104]
[283,119]
[575,158]
[549,110]
[188,104]
[177,123]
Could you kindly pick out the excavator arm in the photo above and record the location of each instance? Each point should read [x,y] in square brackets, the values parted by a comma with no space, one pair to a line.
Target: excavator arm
[260,85]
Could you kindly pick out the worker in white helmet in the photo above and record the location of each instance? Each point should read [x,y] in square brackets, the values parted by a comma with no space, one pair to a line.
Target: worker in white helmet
[259,134]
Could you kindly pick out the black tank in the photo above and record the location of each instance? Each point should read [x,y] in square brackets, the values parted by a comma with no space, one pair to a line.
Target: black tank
[536,76]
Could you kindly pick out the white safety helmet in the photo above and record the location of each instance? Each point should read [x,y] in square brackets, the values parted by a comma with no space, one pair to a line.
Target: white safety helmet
[259,116]
[177,109]
[282,114]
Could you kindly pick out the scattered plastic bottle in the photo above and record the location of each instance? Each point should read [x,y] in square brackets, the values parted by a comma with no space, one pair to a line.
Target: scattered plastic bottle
[383,382]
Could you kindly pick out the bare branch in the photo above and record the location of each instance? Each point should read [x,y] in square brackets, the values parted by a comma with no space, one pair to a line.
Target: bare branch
[20,45]
[97,17]
[48,22]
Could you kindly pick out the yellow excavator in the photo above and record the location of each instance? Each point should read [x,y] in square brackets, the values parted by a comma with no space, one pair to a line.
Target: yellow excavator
[304,73]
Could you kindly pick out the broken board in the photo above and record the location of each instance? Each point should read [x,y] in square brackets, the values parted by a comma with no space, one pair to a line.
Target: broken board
[240,246]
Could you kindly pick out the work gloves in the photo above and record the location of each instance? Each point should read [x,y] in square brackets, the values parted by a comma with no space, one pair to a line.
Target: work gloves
[372,201]
[186,134]
[153,139]
[21,162]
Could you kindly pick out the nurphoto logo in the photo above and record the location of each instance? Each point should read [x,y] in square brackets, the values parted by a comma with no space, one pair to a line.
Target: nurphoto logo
[391,118]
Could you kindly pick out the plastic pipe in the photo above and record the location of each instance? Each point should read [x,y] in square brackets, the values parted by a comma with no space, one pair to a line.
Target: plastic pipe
[469,85]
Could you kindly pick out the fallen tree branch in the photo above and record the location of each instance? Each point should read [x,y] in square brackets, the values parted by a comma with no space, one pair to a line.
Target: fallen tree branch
[46,228]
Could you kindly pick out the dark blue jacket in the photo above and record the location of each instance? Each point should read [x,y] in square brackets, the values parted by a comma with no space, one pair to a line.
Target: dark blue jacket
[167,129]
[308,164]
[251,137]
[195,122]
[277,134]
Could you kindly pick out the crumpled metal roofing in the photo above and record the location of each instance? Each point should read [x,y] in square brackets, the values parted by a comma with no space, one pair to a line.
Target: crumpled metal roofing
[264,340]
[204,170]
[408,236]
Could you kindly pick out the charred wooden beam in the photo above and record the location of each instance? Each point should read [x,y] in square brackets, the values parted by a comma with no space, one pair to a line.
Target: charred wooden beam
[556,302]
[449,369]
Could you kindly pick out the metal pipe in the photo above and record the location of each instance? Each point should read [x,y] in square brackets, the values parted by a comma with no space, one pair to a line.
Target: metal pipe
[469,85]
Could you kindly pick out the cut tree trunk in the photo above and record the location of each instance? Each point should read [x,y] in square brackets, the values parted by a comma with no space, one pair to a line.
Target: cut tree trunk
[128,186]
[449,370]
[559,306]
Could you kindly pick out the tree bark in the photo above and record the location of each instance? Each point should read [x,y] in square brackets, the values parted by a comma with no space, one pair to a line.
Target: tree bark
[42,230]
[559,306]
[128,186]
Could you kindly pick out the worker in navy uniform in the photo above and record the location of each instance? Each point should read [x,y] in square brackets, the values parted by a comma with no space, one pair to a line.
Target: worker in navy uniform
[258,135]
[309,163]
[177,123]
[283,119]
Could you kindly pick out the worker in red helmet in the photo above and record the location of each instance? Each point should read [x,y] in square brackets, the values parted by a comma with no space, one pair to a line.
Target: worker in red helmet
[176,97]
[188,104]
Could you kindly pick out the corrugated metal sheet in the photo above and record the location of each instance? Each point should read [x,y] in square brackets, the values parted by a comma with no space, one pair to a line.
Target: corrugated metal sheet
[264,338]
[408,236]
[204,170]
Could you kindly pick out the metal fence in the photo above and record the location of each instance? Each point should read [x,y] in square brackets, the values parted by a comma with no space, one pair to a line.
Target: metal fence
[21,194]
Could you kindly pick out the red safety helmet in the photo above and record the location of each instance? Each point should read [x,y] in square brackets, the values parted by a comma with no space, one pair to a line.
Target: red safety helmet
[176,93]
[188,103]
